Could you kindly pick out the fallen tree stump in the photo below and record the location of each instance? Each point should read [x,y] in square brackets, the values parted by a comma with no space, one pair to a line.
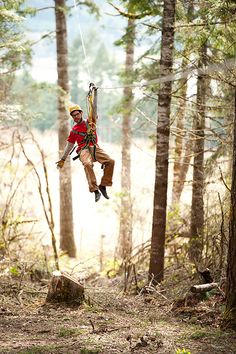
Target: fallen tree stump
[202,288]
[64,288]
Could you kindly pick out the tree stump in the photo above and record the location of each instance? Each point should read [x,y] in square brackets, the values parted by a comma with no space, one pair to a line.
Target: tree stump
[64,288]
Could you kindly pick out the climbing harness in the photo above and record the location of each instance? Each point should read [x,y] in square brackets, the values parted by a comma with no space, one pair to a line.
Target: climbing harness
[90,135]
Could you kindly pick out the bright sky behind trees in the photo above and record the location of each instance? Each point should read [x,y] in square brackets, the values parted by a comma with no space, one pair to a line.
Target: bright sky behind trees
[44,51]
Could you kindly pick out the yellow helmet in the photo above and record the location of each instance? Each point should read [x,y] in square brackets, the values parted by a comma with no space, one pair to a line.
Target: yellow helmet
[75,108]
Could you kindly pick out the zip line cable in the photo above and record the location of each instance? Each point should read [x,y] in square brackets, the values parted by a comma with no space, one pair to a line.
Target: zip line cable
[228,64]
[84,51]
[82,41]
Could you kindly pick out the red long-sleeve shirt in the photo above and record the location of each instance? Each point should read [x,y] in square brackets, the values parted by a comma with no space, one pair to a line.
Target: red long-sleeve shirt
[76,137]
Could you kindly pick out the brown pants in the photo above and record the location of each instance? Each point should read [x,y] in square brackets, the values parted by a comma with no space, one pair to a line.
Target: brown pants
[86,157]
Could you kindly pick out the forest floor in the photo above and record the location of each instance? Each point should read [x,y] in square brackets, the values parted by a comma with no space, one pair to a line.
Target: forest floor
[109,322]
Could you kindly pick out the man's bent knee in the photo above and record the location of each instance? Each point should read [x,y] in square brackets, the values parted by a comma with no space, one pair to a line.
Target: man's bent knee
[87,164]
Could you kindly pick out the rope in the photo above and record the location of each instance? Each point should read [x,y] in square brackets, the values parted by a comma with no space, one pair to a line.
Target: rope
[82,41]
[90,100]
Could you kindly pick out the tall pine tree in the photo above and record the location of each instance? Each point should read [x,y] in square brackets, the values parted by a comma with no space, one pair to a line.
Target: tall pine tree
[156,266]
[67,243]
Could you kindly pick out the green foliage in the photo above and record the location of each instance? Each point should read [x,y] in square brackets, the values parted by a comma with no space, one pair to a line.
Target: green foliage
[177,228]
[198,334]
[39,349]
[66,332]
[37,99]
[182,351]
[12,228]
[89,351]
[31,11]
[139,9]
[14,271]
[111,268]
[91,6]
[89,307]
[14,49]
[141,70]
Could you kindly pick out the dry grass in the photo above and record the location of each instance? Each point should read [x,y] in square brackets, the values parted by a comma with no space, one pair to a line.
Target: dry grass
[110,322]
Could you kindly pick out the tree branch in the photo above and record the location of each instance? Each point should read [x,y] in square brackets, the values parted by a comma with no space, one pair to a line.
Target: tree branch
[192,24]
[205,24]
[151,26]
[45,8]
[129,14]
[43,37]
[223,180]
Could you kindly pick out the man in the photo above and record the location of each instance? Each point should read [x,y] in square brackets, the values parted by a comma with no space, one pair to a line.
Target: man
[88,152]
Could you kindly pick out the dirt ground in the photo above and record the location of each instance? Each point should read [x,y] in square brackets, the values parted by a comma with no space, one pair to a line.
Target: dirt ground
[109,322]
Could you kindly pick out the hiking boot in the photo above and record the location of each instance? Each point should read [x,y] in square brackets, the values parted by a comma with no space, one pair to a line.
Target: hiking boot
[103,191]
[97,196]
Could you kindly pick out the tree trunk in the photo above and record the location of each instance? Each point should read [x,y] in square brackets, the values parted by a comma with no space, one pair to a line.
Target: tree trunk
[178,155]
[229,320]
[197,208]
[156,266]
[182,158]
[125,232]
[183,169]
[67,243]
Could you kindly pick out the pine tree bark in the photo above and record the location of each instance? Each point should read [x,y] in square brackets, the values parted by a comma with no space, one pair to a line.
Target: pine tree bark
[67,243]
[125,232]
[197,207]
[182,173]
[229,320]
[182,158]
[156,266]
[178,154]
